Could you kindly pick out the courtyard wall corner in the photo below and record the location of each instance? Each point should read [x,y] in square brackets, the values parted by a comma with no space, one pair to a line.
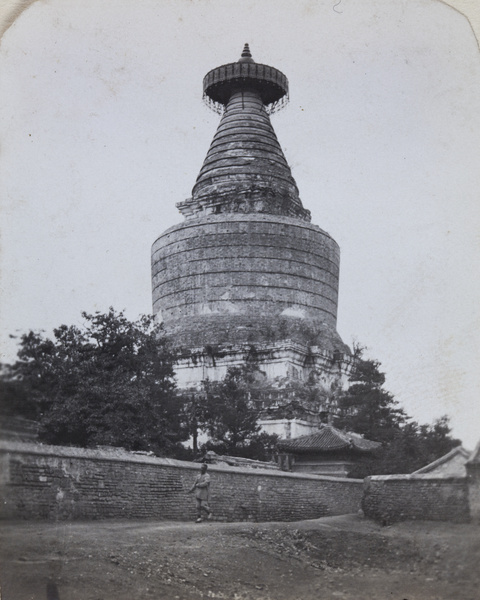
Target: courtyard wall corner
[391,498]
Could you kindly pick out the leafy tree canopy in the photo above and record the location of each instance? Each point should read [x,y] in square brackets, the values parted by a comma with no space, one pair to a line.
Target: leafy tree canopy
[228,411]
[367,408]
[109,382]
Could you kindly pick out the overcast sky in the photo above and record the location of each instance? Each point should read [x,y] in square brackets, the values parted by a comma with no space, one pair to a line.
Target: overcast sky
[103,130]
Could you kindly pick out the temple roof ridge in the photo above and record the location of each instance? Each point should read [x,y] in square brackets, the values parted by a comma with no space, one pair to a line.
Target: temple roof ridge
[329,438]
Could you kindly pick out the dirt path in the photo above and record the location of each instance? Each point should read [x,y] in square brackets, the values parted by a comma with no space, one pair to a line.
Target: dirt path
[337,557]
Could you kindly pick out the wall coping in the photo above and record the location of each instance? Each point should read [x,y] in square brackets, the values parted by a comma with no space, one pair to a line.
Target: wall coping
[121,455]
[416,477]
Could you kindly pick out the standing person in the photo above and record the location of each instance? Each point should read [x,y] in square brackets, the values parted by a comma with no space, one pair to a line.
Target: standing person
[202,493]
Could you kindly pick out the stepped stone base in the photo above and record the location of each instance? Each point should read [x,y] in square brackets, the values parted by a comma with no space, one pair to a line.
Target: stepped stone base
[279,361]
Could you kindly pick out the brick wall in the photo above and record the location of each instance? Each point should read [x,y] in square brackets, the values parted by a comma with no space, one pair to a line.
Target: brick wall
[48,482]
[473,475]
[391,498]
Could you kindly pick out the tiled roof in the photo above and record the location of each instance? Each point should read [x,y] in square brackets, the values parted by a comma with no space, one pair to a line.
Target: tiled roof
[328,439]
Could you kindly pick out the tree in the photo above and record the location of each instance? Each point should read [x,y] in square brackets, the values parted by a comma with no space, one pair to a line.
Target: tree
[109,382]
[367,408]
[228,411]
[14,400]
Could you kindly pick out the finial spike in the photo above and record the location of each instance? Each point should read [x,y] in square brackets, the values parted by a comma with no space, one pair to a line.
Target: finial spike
[246,55]
[246,52]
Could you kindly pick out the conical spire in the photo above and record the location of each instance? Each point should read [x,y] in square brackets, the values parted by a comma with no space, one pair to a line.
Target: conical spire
[245,169]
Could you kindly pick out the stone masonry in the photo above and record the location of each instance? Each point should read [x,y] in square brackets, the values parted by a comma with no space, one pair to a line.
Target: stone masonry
[59,483]
[391,498]
[247,269]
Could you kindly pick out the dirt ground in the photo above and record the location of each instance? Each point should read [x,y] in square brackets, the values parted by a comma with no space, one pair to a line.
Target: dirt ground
[346,557]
